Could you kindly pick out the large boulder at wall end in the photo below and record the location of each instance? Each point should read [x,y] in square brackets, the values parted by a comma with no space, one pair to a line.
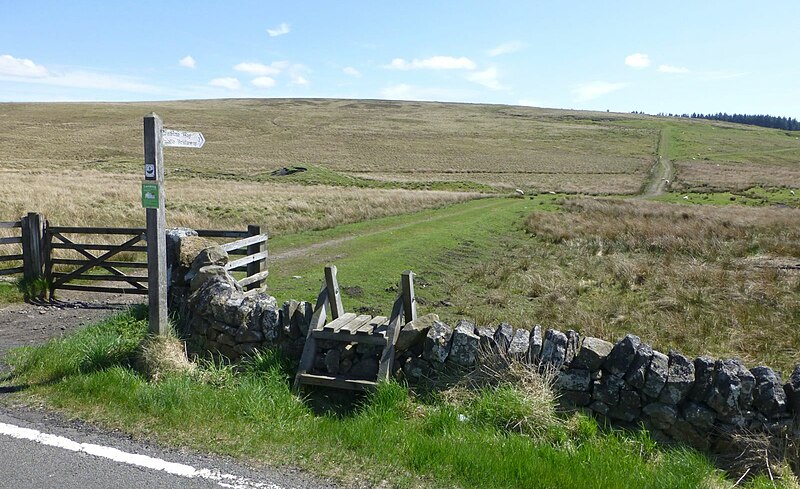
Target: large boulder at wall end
[174,237]
[211,295]
[464,345]
[213,255]
[209,272]
[414,332]
[436,346]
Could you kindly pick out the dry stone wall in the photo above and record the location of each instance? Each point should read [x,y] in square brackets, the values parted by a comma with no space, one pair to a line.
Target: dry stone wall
[691,400]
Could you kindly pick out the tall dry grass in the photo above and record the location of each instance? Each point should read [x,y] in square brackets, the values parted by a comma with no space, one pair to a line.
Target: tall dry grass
[93,198]
[604,226]
[703,280]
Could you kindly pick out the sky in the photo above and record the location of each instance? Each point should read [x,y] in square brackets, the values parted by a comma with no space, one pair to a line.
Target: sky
[703,56]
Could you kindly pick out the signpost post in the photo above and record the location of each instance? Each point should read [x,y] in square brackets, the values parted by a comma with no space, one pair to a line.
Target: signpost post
[153,200]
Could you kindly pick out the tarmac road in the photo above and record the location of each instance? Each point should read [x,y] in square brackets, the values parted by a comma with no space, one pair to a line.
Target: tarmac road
[40,450]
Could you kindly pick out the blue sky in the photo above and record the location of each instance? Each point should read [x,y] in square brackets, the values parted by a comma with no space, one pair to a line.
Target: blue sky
[693,56]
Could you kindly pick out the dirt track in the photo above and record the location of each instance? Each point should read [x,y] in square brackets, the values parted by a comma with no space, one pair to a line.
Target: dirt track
[27,324]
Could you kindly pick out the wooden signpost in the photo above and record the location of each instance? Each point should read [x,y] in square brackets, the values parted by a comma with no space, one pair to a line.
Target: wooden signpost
[153,199]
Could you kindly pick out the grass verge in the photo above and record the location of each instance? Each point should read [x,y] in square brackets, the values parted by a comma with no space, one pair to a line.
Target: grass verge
[9,293]
[467,440]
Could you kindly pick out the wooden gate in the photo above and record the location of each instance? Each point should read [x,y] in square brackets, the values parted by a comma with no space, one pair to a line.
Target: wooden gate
[125,263]
[97,257]
[12,236]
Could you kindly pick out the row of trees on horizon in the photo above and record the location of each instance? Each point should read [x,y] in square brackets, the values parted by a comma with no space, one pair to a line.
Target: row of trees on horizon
[774,122]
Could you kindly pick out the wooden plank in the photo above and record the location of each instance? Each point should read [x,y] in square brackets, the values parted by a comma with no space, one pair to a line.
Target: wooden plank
[254,278]
[95,230]
[102,278]
[337,309]
[11,271]
[340,321]
[355,323]
[336,381]
[235,245]
[95,247]
[353,327]
[10,257]
[392,331]
[259,266]
[214,233]
[121,264]
[373,339]
[10,224]
[320,309]
[111,290]
[11,240]
[246,260]
[370,327]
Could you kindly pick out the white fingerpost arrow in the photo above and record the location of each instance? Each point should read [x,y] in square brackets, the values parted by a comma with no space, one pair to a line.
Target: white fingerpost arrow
[182,139]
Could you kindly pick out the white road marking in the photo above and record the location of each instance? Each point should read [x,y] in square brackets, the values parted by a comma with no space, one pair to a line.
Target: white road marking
[182,470]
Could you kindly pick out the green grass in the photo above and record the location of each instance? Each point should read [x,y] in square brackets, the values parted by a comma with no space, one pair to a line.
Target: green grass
[389,435]
[756,197]
[438,245]
[699,279]
[10,293]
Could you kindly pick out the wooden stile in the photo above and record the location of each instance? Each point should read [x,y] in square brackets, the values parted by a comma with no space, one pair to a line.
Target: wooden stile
[350,328]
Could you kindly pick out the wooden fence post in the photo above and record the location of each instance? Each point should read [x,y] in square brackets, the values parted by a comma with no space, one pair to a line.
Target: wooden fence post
[333,292]
[156,228]
[256,266]
[409,300]
[32,250]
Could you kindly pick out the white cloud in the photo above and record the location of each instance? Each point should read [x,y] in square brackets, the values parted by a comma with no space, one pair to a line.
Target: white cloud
[349,70]
[505,48]
[187,62]
[263,82]
[16,69]
[433,63]
[672,69]
[227,82]
[299,79]
[591,90]
[279,31]
[637,60]
[487,78]
[25,68]
[260,69]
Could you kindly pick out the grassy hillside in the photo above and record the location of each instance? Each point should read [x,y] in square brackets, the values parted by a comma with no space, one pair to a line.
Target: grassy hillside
[81,162]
